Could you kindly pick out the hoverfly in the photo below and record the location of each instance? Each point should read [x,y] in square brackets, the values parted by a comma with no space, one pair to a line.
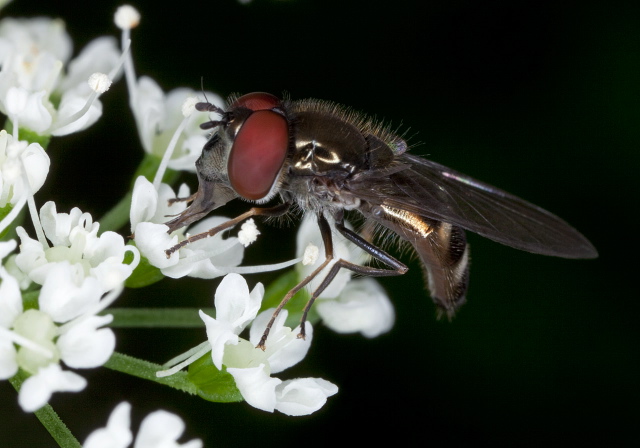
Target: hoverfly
[325,159]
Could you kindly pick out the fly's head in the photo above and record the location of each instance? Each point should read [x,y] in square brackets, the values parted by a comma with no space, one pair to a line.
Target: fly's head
[243,158]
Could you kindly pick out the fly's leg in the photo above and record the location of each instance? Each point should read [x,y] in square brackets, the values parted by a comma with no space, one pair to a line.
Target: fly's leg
[325,232]
[397,268]
[187,199]
[278,210]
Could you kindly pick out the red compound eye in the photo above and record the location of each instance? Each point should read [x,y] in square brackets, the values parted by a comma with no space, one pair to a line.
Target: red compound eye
[258,153]
[257,101]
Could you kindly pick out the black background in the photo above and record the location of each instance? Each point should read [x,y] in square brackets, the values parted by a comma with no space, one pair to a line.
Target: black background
[539,99]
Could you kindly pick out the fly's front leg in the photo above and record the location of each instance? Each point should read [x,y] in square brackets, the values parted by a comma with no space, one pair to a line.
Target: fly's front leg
[187,199]
[278,210]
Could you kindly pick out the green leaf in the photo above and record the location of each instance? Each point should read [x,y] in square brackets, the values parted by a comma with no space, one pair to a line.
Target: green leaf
[211,383]
[275,292]
[143,275]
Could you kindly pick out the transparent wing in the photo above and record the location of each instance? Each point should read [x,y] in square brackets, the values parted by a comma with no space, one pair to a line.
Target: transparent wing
[434,191]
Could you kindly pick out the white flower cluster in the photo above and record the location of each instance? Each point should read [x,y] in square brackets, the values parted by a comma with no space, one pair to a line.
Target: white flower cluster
[41,89]
[75,274]
[202,259]
[250,366]
[80,275]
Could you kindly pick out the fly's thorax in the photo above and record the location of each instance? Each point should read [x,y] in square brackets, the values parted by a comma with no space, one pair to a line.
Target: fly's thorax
[323,143]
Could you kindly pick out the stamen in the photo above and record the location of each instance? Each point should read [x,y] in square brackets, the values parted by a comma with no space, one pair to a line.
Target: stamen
[126,17]
[33,211]
[172,144]
[99,83]
[258,268]
[25,342]
[103,304]
[175,360]
[13,213]
[126,46]
[193,355]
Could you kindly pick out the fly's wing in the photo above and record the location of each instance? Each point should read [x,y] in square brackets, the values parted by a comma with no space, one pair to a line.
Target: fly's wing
[434,191]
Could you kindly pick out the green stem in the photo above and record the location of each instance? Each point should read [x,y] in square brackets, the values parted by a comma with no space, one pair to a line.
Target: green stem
[147,370]
[49,419]
[157,317]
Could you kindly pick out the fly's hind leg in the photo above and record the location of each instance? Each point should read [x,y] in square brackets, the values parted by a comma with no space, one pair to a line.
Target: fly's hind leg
[397,268]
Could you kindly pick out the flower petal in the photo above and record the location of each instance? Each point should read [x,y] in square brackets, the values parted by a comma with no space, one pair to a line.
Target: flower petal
[144,202]
[37,389]
[99,55]
[234,304]
[363,306]
[303,396]
[116,434]
[256,386]
[152,240]
[219,333]
[85,345]
[162,429]
[8,362]
[62,298]
[10,299]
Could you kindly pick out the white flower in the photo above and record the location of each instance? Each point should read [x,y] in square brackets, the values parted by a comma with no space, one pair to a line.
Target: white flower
[346,306]
[252,367]
[235,308]
[81,275]
[38,388]
[362,306]
[10,309]
[160,429]
[64,328]
[76,242]
[20,162]
[158,115]
[201,259]
[33,55]
[303,396]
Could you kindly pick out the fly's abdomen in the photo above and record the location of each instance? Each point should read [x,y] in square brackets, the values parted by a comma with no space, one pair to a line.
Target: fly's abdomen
[442,248]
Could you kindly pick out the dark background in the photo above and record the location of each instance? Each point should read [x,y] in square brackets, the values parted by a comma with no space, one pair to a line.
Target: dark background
[537,98]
